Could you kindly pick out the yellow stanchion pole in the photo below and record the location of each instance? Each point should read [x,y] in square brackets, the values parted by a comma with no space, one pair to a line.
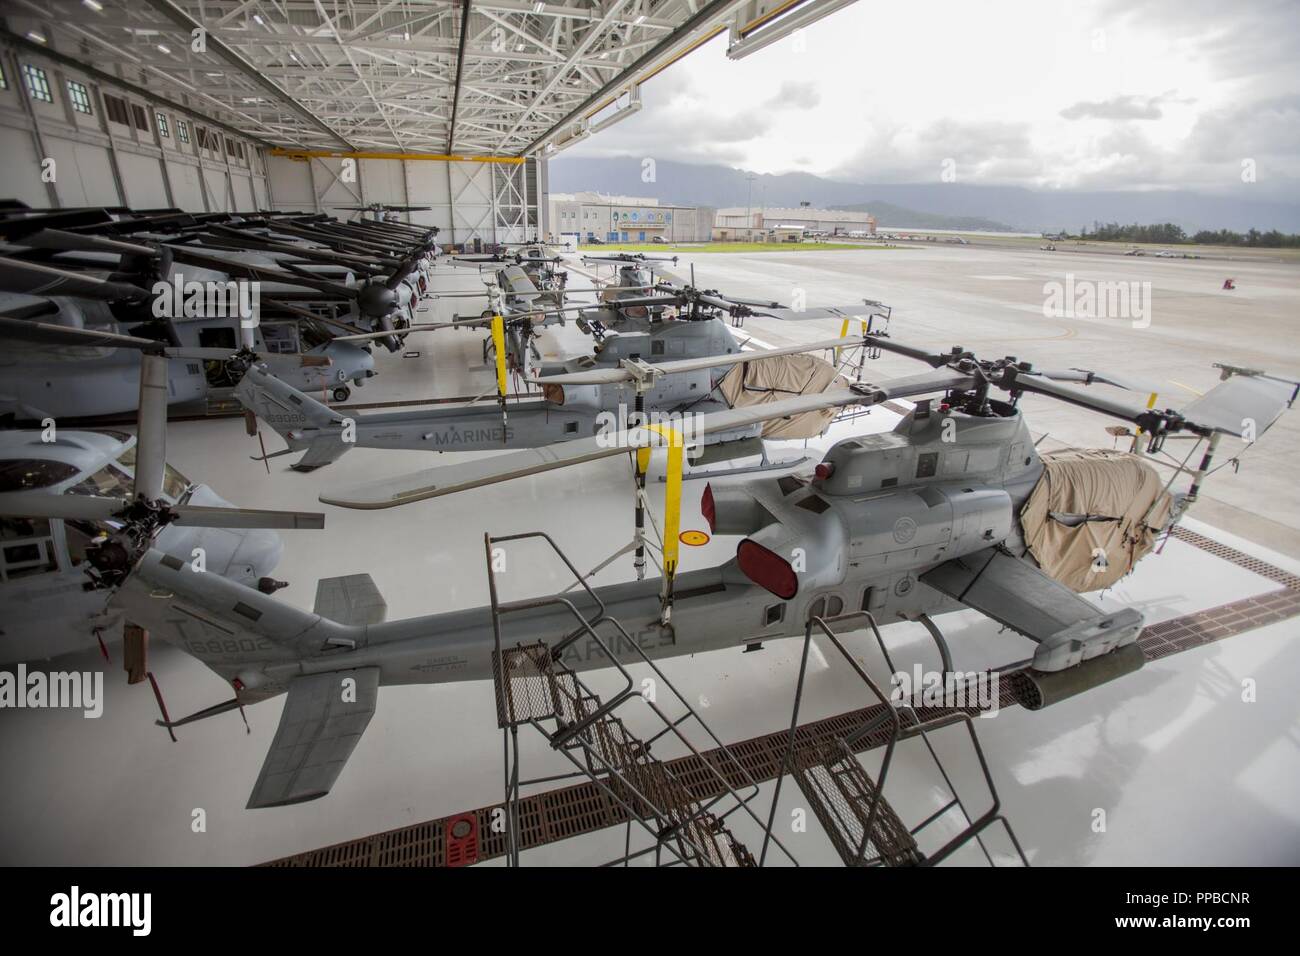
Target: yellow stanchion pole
[499,344]
[672,504]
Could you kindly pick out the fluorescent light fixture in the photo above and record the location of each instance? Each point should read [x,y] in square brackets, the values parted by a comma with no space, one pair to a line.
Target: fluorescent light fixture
[94,5]
[33,35]
[639,20]
[257,18]
[163,49]
[538,7]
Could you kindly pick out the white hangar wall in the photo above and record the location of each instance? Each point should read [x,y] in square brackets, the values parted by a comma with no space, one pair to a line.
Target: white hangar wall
[113,142]
[488,201]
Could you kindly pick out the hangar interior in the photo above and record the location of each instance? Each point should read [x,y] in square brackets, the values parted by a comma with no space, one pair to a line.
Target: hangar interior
[411,116]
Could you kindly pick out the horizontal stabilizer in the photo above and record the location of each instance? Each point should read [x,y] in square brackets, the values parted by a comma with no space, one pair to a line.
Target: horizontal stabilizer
[350,599]
[1020,596]
[323,719]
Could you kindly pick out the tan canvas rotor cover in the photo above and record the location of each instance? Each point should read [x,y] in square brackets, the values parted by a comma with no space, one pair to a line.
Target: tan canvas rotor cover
[773,379]
[1121,494]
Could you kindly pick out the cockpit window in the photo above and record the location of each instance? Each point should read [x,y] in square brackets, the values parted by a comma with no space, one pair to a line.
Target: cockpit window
[175,484]
[109,482]
[28,473]
[280,338]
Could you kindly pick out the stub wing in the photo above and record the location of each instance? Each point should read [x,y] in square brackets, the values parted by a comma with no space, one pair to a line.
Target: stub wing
[323,719]
[1018,595]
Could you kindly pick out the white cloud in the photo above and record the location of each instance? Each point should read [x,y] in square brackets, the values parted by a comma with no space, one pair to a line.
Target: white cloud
[1042,93]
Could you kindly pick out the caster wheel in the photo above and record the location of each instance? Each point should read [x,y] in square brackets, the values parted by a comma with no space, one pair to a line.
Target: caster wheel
[340,393]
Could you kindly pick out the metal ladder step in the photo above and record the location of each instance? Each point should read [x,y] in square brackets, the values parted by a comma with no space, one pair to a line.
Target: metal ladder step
[843,797]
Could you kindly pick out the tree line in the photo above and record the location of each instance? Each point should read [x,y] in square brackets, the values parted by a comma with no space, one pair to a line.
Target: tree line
[1167,233]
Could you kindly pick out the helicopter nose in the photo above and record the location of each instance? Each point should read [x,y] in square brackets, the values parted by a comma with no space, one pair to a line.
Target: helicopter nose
[353,362]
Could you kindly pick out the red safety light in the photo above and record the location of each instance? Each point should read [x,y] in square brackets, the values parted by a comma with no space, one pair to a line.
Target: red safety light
[824,470]
[767,569]
[708,508]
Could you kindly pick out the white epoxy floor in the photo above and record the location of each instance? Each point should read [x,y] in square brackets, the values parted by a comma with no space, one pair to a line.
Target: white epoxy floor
[1185,771]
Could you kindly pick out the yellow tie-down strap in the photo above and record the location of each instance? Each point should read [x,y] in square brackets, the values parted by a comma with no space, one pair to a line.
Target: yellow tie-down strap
[673,493]
[844,334]
[499,343]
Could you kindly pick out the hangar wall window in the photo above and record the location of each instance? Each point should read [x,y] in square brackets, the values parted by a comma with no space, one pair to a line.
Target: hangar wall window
[4,80]
[115,108]
[79,97]
[183,131]
[141,116]
[162,125]
[37,85]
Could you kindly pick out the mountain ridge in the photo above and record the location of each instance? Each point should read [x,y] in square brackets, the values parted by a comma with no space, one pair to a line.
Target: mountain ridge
[1016,208]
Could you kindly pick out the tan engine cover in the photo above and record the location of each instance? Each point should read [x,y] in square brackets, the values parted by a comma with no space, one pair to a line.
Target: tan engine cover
[1127,502]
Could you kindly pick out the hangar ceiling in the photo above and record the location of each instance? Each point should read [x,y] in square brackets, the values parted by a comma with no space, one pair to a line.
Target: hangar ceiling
[509,77]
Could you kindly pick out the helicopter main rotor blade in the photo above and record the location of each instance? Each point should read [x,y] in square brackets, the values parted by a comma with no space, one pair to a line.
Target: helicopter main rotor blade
[244,270]
[248,518]
[614,375]
[151,427]
[48,334]
[787,314]
[418,327]
[66,507]
[31,278]
[435,482]
[84,242]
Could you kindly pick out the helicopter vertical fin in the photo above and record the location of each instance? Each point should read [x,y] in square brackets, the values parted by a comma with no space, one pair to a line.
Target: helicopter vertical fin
[323,719]
[302,421]
[350,599]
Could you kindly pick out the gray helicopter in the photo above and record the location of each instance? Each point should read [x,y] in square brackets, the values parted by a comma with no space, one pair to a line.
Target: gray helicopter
[677,367]
[43,380]
[77,504]
[929,518]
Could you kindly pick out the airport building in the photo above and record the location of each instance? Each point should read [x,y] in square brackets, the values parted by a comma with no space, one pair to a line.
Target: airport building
[626,218]
[776,224]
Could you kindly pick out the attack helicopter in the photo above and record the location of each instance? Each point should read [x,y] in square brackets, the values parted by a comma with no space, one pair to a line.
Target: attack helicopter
[679,366]
[947,511]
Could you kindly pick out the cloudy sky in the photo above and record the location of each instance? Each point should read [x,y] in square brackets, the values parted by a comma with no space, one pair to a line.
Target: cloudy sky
[1048,94]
